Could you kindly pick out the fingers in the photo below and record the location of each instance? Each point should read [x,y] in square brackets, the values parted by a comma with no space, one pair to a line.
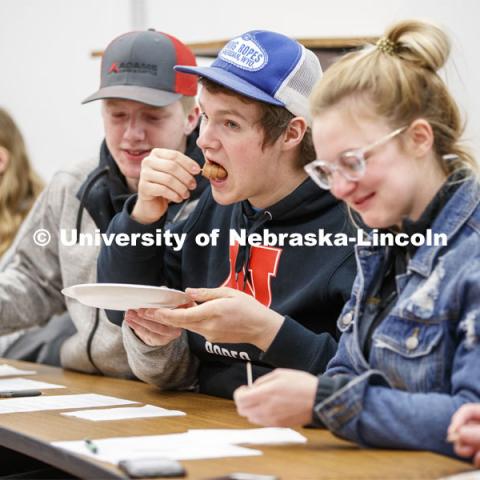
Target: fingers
[173,318]
[157,328]
[265,387]
[465,430]
[463,450]
[257,406]
[206,294]
[271,376]
[476,459]
[239,392]
[159,184]
[169,167]
[248,404]
[153,326]
[470,434]
[187,318]
[149,338]
[189,304]
[465,414]
[162,181]
[151,333]
[167,175]
[185,162]
[250,398]
[150,190]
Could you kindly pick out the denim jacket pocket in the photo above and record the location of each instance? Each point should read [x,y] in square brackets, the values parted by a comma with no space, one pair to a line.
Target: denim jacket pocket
[409,352]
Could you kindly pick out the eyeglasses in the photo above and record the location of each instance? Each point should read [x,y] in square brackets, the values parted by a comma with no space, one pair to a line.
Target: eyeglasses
[350,164]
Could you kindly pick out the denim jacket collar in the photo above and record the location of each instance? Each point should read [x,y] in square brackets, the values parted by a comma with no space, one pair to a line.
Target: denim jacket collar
[449,221]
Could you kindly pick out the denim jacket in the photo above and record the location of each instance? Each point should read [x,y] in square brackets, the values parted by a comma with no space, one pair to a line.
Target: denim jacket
[425,357]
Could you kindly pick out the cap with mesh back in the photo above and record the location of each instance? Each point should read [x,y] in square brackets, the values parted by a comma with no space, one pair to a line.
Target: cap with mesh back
[266,66]
[139,66]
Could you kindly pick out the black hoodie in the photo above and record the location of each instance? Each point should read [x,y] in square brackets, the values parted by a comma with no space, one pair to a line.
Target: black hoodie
[308,285]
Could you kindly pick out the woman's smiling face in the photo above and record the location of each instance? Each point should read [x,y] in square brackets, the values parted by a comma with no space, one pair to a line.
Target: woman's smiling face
[396,184]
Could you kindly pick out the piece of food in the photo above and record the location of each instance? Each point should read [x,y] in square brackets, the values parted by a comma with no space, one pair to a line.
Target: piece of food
[214,171]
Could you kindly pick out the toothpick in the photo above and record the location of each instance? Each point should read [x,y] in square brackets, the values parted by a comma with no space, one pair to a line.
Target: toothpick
[249,374]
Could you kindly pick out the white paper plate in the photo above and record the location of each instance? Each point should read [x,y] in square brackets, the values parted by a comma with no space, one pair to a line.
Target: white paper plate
[121,296]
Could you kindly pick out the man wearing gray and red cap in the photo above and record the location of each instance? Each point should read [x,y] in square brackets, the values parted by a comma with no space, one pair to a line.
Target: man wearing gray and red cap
[146,105]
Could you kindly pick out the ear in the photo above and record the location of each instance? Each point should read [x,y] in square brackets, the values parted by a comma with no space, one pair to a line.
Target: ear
[294,133]
[4,159]
[420,138]
[191,120]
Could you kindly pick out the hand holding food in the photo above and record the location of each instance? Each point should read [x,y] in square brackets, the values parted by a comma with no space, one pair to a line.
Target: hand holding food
[166,176]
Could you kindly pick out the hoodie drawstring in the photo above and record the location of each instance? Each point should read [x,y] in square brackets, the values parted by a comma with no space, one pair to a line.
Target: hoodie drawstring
[78,226]
[83,199]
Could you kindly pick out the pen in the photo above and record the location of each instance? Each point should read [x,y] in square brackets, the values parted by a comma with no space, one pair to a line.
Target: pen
[249,374]
[91,446]
[20,393]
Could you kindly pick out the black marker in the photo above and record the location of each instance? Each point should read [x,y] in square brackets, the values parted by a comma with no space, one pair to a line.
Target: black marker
[20,393]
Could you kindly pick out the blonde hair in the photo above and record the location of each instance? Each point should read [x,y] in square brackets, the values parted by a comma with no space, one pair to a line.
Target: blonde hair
[398,78]
[19,184]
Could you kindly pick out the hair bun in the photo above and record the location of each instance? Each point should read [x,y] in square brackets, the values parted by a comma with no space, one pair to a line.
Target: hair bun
[420,42]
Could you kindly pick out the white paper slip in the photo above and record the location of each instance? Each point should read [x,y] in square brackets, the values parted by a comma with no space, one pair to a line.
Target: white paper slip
[472,475]
[252,436]
[192,445]
[18,384]
[175,446]
[8,371]
[124,413]
[59,402]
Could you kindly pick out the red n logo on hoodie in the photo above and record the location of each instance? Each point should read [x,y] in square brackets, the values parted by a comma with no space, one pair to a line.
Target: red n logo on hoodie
[263,266]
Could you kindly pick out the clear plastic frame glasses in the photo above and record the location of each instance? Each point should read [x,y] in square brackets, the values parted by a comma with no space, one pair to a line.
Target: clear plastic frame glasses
[351,164]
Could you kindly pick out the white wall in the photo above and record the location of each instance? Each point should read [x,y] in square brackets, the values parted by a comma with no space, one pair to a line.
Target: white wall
[46,68]
[216,19]
[46,71]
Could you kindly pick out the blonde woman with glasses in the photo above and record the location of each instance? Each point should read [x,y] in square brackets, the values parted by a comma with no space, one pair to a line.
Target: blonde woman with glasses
[387,134]
[19,184]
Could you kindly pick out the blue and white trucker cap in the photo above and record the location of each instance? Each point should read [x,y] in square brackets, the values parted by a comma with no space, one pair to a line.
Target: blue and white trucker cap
[265,66]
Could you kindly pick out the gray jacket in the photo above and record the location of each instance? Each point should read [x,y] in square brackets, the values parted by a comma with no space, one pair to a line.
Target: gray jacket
[32,280]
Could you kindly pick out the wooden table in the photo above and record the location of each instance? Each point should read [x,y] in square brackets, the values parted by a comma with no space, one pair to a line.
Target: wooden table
[323,457]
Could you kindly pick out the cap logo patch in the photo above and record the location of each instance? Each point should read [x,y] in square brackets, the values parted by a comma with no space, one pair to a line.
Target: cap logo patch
[135,67]
[245,53]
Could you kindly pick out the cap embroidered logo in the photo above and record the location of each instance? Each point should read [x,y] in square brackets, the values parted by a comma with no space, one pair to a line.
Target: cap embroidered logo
[137,67]
[114,68]
[245,53]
